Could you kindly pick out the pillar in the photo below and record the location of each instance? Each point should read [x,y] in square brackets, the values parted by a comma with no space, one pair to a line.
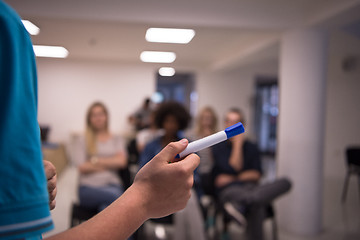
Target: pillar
[303,65]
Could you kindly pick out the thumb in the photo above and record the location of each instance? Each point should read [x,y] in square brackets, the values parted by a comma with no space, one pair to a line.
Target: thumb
[169,153]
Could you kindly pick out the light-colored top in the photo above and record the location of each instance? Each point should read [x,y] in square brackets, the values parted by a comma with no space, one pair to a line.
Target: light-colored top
[206,157]
[146,136]
[105,149]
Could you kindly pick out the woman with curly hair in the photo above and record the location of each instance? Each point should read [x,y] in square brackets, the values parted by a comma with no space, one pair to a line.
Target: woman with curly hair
[173,118]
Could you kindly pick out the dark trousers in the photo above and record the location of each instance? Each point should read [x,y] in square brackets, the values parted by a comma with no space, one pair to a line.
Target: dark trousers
[99,197]
[256,199]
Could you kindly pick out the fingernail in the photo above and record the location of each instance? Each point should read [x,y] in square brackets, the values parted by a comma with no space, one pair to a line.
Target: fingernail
[183,141]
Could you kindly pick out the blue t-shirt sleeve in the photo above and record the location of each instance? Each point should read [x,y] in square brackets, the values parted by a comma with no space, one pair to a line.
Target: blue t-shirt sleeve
[24,209]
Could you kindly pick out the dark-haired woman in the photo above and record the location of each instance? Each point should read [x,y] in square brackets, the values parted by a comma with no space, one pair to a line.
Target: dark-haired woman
[173,118]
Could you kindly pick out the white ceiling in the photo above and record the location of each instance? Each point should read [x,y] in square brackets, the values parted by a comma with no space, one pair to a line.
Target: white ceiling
[228,32]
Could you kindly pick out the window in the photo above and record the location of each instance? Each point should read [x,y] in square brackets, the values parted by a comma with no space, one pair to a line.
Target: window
[180,88]
[266,113]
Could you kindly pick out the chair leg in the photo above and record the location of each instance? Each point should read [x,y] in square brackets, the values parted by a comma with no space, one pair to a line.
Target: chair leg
[274,229]
[346,183]
[255,218]
[359,185]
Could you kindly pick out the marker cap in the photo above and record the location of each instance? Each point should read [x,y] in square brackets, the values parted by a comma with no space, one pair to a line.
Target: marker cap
[234,130]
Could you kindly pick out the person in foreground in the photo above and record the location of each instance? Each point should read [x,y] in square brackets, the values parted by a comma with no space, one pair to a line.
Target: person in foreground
[28,188]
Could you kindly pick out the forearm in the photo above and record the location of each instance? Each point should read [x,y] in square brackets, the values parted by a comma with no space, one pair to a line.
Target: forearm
[118,221]
[249,175]
[88,167]
[236,158]
[159,189]
[115,162]
[224,179]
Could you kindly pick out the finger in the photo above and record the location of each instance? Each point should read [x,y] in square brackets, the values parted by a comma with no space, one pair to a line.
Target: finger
[52,204]
[190,162]
[169,153]
[50,169]
[52,194]
[51,184]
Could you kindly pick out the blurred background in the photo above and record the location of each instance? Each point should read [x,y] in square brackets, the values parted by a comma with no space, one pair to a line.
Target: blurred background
[293,67]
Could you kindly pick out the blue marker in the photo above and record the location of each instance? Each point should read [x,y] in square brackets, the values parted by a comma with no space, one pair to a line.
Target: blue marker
[212,139]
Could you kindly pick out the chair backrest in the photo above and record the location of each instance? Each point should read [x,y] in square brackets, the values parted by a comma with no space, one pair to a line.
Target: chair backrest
[353,156]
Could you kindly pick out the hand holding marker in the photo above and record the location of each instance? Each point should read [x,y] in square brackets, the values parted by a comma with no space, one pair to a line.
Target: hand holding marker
[211,140]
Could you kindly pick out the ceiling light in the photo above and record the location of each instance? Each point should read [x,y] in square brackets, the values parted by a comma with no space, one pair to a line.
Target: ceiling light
[50,51]
[30,27]
[158,57]
[167,71]
[169,35]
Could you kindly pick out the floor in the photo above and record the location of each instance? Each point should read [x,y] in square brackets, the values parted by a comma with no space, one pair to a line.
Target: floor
[340,221]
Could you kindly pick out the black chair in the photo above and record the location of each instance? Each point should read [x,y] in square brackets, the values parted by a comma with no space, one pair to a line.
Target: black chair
[268,213]
[258,212]
[81,214]
[353,167]
[133,153]
[125,176]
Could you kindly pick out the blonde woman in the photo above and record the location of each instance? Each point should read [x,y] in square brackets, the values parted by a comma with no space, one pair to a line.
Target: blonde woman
[206,124]
[99,157]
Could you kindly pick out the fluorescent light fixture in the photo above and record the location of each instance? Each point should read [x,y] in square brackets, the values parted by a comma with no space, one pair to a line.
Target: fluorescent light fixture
[50,51]
[157,57]
[30,27]
[169,35]
[167,71]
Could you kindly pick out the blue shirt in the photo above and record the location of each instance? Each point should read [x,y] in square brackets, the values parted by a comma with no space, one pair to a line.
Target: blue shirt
[24,200]
[150,151]
[153,148]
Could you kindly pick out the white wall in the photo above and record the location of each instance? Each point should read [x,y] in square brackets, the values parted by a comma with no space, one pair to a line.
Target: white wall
[343,103]
[234,88]
[342,129]
[68,87]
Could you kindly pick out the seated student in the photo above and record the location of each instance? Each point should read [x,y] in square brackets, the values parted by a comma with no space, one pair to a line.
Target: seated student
[98,157]
[237,166]
[172,117]
[206,124]
[237,171]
